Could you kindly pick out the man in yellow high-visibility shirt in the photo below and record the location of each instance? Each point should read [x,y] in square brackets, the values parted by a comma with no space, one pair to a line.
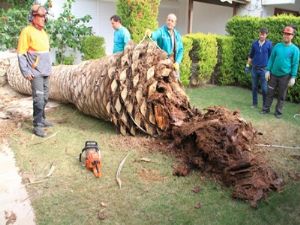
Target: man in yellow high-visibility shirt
[35,65]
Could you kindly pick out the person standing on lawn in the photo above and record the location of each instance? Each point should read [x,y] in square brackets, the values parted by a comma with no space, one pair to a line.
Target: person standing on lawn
[169,40]
[35,65]
[259,55]
[282,70]
[121,34]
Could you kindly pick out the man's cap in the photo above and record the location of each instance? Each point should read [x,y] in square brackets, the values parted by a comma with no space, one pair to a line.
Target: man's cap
[264,30]
[289,30]
[37,9]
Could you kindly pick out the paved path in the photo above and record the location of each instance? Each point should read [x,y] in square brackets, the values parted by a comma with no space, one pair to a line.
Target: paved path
[15,205]
[14,200]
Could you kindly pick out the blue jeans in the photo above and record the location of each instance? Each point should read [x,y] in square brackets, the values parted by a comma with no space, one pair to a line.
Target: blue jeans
[258,74]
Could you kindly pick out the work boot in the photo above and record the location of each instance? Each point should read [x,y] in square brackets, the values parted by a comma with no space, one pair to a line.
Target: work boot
[46,123]
[38,131]
[278,115]
[265,111]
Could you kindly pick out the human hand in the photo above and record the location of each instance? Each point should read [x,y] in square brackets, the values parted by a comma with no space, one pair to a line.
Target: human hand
[247,68]
[148,32]
[267,75]
[29,77]
[176,66]
[291,82]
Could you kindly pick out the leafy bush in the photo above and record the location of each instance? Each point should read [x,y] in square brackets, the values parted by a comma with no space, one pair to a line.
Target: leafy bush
[68,60]
[93,47]
[203,56]
[223,73]
[185,66]
[138,15]
[12,21]
[67,31]
[20,3]
[245,30]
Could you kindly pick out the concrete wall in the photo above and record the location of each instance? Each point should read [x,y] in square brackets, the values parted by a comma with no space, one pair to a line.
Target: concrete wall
[208,18]
[255,8]
[179,8]
[100,10]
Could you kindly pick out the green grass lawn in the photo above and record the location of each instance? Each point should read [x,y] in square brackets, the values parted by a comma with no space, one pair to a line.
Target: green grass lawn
[150,194]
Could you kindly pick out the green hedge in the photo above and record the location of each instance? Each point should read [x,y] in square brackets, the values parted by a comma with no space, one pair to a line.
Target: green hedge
[245,30]
[203,56]
[223,74]
[138,15]
[93,47]
[185,66]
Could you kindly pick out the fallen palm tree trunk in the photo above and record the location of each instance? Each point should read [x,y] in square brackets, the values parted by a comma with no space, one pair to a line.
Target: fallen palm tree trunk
[120,88]
[137,90]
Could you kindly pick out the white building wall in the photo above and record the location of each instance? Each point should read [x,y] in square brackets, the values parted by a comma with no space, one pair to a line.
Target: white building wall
[209,18]
[99,10]
[255,8]
[179,8]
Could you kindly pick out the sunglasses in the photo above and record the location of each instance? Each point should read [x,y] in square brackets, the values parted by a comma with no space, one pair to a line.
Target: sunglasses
[289,34]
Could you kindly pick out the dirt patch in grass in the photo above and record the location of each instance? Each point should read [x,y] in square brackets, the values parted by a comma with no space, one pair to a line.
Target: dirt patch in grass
[7,127]
[150,175]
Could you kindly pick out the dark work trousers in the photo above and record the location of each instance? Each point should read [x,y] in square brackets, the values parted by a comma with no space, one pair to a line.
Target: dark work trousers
[258,74]
[281,84]
[40,93]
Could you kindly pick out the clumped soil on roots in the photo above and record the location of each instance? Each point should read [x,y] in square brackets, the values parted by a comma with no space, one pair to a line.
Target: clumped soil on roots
[220,143]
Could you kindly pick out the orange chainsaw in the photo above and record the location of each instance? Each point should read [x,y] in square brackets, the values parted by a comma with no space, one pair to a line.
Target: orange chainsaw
[91,156]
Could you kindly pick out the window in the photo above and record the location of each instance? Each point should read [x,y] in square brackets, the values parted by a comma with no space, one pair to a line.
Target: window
[278,11]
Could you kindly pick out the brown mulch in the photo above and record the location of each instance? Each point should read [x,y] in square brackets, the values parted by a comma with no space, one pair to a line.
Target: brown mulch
[7,127]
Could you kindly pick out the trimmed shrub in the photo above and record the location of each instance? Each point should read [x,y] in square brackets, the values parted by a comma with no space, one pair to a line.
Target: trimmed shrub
[185,66]
[93,47]
[223,74]
[68,60]
[138,15]
[245,30]
[203,56]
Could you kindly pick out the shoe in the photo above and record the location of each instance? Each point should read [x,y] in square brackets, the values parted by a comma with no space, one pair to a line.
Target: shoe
[264,111]
[38,131]
[278,115]
[46,123]
[253,106]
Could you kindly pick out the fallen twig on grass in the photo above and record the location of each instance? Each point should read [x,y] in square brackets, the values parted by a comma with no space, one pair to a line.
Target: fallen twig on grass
[145,160]
[47,138]
[37,182]
[42,179]
[278,146]
[51,170]
[119,171]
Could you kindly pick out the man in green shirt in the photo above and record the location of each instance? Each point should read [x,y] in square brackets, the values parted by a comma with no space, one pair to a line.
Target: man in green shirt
[121,34]
[281,70]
